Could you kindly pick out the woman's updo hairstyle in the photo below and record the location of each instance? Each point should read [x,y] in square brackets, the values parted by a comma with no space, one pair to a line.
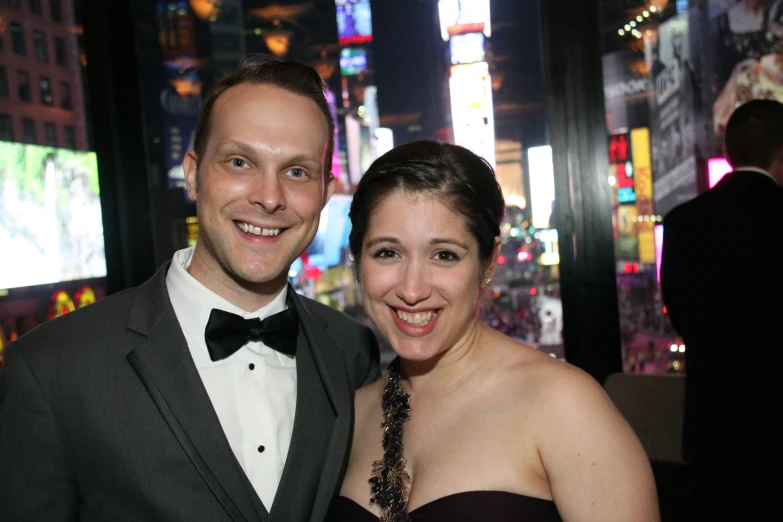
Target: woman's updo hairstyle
[459,178]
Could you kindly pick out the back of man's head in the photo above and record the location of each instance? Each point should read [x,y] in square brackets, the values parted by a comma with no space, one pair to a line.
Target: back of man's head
[754,134]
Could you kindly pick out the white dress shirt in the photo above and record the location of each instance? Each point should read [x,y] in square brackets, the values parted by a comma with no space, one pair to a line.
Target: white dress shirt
[253,391]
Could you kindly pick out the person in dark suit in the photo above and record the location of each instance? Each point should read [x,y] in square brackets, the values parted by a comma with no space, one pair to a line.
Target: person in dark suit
[213,391]
[723,288]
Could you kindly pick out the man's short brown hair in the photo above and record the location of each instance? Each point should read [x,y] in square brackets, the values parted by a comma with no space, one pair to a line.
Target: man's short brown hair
[296,77]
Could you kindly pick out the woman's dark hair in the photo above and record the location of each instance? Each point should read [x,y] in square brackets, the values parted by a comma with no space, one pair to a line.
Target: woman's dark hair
[464,181]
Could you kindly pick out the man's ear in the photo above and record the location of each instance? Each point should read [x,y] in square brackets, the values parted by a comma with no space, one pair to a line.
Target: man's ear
[190,166]
[330,184]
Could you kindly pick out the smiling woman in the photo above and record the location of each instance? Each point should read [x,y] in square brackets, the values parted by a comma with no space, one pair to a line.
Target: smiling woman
[518,434]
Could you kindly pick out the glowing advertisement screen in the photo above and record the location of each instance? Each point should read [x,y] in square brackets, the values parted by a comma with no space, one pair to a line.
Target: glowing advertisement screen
[354,21]
[353,61]
[467,48]
[471,109]
[542,184]
[51,227]
[464,16]
[334,230]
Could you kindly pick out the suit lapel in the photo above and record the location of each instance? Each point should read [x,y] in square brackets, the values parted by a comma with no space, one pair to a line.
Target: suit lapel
[164,365]
[322,425]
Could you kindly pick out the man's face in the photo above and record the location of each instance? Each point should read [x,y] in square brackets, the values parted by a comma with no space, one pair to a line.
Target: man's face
[261,187]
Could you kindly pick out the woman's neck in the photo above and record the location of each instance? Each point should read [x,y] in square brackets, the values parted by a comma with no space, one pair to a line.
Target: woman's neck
[449,368]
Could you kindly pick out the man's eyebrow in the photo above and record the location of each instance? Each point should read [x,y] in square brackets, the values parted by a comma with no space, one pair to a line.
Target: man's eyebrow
[242,146]
[304,158]
[250,151]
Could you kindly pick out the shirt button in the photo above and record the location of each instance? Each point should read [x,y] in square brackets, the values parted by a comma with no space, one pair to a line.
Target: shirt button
[251,366]
[261,449]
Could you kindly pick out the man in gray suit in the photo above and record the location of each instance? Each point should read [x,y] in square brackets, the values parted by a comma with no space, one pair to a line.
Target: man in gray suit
[213,391]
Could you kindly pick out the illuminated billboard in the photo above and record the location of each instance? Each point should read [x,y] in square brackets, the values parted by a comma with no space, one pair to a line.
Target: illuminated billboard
[51,226]
[471,109]
[354,21]
[334,230]
[464,16]
[542,184]
[467,48]
[353,61]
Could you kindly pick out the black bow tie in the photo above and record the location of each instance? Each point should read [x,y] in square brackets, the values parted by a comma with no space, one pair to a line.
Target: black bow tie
[226,332]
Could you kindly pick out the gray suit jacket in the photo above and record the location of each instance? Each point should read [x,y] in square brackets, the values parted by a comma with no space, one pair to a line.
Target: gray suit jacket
[103,416]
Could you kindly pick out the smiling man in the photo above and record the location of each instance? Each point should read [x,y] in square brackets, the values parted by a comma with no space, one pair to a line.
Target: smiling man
[213,391]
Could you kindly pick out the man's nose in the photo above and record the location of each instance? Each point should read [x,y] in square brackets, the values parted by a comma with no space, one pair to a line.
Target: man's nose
[267,191]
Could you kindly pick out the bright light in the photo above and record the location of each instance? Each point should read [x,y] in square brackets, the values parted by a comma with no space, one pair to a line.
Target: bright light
[632,23]
[682,348]
[646,14]
[639,19]
[550,258]
[621,32]
[717,168]
[627,27]
[384,140]
[456,16]
[612,181]
[653,9]
[542,184]
[658,235]
[471,109]
[524,256]
[673,348]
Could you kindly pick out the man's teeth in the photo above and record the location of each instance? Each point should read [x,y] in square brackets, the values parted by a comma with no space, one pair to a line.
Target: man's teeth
[417,319]
[250,229]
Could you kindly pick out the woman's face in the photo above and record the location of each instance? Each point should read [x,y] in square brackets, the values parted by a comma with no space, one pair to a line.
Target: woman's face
[420,274]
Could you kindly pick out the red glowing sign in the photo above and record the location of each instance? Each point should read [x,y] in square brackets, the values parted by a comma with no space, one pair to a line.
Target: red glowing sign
[618,148]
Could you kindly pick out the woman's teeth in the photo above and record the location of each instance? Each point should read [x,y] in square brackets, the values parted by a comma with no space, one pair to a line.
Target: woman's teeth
[417,319]
[250,229]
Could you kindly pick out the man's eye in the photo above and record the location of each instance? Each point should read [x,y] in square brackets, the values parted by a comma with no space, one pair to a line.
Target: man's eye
[238,163]
[297,173]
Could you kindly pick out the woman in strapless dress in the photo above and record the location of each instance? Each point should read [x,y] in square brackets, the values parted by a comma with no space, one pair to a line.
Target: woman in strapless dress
[468,424]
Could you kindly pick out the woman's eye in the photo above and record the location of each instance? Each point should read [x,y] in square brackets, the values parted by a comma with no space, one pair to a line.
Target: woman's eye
[445,255]
[297,173]
[238,163]
[383,253]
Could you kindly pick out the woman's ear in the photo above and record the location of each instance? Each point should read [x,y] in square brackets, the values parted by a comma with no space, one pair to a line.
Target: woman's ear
[489,270]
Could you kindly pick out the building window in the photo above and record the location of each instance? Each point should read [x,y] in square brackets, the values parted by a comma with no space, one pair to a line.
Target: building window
[56,10]
[35,7]
[65,96]
[60,52]
[41,52]
[69,133]
[50,134]
[28,131]
[6,128]
[3,83]
[46,92]
[25,94]
[17,39]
